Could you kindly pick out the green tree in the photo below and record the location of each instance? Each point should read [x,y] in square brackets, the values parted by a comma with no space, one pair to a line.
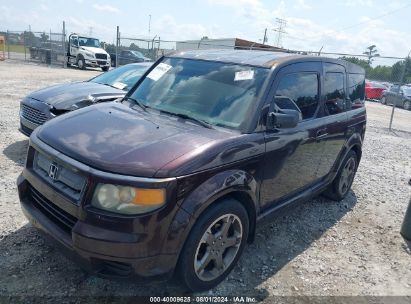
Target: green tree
[361,62]
[44,37]
[398,68]
[371,52]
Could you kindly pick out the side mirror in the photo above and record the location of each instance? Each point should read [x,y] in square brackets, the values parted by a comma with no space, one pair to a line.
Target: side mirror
[284,118]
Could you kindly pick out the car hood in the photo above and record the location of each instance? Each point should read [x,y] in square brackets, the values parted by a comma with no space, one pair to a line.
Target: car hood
[94,49]
[115,138]
[63,96]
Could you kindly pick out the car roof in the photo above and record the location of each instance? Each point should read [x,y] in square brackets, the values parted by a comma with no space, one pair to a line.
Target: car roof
[258,58]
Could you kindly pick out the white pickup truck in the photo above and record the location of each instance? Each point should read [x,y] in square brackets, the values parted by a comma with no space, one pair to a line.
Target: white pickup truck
[86,51]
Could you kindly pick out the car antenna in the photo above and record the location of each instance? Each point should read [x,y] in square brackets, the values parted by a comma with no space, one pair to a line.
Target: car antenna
[319,52]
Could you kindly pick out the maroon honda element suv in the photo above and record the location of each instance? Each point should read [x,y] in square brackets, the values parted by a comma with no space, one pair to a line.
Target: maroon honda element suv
[173,179]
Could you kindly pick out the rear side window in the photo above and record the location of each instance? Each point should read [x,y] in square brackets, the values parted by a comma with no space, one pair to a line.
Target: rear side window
[298,90]
[334,92]
[356,91]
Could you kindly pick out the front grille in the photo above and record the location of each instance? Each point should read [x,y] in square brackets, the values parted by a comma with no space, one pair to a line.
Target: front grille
[57,215]
[101,62]
[101,56]
[63,178]
[33,115]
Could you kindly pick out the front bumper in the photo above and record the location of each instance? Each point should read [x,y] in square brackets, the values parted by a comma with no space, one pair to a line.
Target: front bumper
[102,252]
[26,126]
[97,63]
[38,113]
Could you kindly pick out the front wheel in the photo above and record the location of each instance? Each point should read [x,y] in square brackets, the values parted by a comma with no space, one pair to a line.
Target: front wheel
[341,185]
[407,105]
[105,69]
[214,245]
[383,100]
[81,63]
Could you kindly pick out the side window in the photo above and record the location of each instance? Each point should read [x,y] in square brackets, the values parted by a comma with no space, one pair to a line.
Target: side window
[334,93]
[74,41]
[356,91]
[298,91]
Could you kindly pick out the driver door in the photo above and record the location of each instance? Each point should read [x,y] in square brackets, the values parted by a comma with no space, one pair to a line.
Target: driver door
[73,45]
[293,154]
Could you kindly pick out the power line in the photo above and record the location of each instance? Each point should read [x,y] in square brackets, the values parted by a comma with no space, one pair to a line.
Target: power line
[280,30]
[355,24]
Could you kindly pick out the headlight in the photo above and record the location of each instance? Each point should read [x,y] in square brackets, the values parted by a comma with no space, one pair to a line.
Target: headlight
[91,55]
[127,200]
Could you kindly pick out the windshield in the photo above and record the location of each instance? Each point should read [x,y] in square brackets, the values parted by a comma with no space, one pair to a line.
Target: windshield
[138,54]
[220,94]
[83,41]
[123,77]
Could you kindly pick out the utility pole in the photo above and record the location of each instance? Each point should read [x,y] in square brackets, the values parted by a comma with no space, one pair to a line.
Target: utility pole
[399,87]
[265,36]
[280,30]
[149,25]
[90,31]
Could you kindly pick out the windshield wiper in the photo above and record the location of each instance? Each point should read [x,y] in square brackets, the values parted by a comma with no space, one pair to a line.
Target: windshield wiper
[139,103]
[185,116]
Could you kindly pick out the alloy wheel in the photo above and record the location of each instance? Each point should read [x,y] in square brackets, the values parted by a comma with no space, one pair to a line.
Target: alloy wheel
[347,176]
[218,247]
[407,105]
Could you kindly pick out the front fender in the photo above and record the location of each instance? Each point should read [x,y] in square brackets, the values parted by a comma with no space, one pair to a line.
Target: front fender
[217,186]
[238,183]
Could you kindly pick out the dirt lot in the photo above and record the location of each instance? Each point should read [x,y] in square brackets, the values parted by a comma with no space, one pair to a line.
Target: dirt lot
[319,248]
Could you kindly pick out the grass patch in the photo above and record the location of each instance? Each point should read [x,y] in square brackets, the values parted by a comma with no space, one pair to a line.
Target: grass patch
[16,48]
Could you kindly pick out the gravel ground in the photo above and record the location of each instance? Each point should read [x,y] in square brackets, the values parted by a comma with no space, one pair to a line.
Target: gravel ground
[320,248]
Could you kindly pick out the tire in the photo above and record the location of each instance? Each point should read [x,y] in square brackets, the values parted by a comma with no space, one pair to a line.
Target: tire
[105,69]
[407,105]
[383,101]
[81,63]
[341,185]
[207,238]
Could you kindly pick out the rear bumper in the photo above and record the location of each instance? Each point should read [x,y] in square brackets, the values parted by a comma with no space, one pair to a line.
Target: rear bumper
[101,252]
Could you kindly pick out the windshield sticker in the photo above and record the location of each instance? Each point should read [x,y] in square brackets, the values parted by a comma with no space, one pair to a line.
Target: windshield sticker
[244,75]
[159,71]
[119,85]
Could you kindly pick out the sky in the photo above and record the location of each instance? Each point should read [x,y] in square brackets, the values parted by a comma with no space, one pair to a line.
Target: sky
[343,26]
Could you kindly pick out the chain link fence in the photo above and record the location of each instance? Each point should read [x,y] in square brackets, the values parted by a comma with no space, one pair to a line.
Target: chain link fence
[138,49]
[388,79]
[43,47]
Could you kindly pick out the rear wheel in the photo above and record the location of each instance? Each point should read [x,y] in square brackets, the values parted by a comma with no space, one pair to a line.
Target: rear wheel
[383,100]
[341,185]
[407,105]
[214,245]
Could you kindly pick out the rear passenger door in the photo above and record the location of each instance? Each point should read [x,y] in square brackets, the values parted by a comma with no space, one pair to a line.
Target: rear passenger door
[335,116]
[292,154]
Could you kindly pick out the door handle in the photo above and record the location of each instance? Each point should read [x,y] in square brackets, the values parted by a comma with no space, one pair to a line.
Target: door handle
[321,134]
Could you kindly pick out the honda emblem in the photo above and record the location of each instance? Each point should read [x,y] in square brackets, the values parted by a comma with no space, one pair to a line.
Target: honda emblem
[53,170]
